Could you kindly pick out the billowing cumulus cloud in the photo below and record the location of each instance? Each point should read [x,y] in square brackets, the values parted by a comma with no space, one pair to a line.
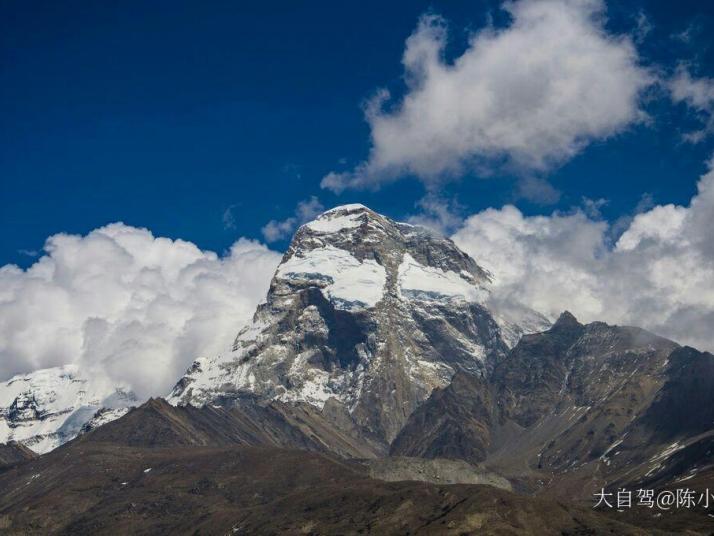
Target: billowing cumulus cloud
[529,96]
[659,274]
[126,305]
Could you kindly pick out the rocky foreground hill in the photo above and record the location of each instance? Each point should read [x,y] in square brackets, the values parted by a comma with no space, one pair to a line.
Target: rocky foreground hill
[380,390]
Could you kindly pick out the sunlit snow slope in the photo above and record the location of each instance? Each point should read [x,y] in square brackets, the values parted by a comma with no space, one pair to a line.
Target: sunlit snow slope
[48,407]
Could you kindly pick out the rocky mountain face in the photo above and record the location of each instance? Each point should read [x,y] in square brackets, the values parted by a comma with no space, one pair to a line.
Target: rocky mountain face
[48,407]
[364,318]
[454,423]
[576,407]
[159,424]
[13,453]
[673,438]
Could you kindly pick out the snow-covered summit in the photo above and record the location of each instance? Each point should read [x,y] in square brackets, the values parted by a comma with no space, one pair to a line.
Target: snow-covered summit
[48,407]
[354,243]
[365,314]
[349,207]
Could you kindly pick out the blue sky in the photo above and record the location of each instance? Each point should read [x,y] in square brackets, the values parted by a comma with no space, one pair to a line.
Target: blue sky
[166,114]
[566,145]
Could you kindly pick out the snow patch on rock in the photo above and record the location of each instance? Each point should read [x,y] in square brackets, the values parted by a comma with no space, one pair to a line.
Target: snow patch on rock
[430,283]
[343,279]
[331,223]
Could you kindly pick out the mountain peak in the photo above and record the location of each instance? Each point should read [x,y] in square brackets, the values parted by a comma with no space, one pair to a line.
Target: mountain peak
[350,207]
[358,257]
[566,320]
[364,314]
[341,219]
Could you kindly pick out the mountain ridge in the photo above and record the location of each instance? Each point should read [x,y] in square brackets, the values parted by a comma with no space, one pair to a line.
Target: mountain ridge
[45,408]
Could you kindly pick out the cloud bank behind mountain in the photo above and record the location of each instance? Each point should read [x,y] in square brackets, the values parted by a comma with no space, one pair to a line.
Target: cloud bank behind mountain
[128,306]
[659,274]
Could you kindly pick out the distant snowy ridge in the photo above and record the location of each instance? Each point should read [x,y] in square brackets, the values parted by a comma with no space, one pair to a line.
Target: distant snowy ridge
[48,407]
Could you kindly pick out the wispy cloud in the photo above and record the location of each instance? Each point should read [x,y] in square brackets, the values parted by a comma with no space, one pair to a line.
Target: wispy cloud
[28,252]
[305,211]
[228,218]
[697,94]
[438,213]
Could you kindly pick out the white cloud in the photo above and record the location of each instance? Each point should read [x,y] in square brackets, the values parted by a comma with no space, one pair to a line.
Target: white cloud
[305,211]
[659,274]
[438,213]
[127,305]
[643,26]
[698,94]
[528,96]
[276,230]
[537,190]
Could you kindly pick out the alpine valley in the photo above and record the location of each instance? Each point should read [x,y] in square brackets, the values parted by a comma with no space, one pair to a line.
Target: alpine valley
[379,389]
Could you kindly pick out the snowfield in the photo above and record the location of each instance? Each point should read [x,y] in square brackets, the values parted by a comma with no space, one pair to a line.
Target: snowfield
[343,279]
[48,407]
[431,283]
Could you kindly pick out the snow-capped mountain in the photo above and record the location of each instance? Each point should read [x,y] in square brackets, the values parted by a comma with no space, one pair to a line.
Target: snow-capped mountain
[48,407]
[364,318]
[379,342]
